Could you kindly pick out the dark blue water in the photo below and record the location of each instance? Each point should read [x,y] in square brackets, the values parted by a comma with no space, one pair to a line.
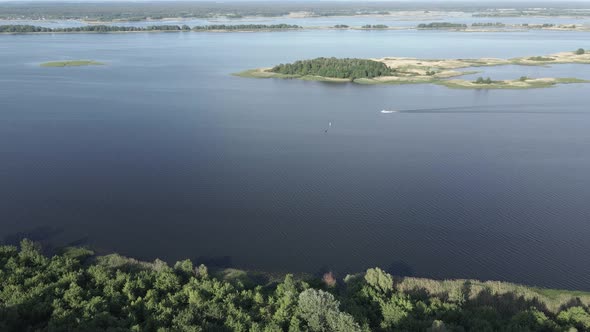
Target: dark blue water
[162,153]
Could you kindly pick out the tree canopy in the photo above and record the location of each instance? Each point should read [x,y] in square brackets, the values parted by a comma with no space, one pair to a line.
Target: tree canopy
[348,68]
[441,25]
[112,28]
[77,291]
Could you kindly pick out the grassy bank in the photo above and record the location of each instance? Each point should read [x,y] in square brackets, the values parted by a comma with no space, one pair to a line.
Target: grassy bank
[71,63]
[76,290]
[264,73]
[511,84]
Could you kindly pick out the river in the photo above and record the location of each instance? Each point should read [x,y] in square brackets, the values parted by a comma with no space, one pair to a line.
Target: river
[163,153]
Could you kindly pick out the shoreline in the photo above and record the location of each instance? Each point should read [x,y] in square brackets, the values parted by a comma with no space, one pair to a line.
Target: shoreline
[398,14]
[228,273]
[468,29]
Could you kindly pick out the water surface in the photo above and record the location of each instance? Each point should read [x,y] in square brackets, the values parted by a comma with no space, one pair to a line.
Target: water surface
[162,153]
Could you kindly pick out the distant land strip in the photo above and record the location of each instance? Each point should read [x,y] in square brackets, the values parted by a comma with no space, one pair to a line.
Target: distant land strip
[456,27]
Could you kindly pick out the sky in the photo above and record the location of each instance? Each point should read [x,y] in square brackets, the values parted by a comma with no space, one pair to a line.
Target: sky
[283,1]
[225,1]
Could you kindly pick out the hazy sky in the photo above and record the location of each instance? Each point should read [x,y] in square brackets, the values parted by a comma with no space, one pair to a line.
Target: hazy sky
[283,1]
[94,1]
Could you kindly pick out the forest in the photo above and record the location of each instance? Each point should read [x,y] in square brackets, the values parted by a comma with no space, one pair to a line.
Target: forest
[88,28]
[488,24]
[375,26]
[112,28]
[441,25]
[246,27]
[74,290]
[348,68]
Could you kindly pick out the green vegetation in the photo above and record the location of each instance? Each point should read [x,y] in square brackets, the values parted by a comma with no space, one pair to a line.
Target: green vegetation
[111,28]
[335,68]
[77,291]
[155,10]
[341,26]
[442,25]
[481,80]
[262,73]
[488,24]
[245,27]
[375,26]
[524,12]
[393,70]
[519,84]
[570,80]
[71,63]
[89,28]
[152,10]
[580,51]
[541,58]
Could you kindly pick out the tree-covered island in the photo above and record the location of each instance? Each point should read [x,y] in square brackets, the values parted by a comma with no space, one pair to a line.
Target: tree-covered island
[444,72]
[335,68]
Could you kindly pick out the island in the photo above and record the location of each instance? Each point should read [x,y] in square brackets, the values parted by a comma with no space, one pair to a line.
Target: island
[77,290]
[71,63]
[397,70]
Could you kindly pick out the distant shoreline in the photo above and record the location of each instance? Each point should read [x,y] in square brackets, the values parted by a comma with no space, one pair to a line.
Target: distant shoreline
[468,29]
[415,13]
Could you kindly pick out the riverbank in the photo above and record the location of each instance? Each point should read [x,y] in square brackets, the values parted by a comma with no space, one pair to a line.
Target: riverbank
[443,72]
[77,290]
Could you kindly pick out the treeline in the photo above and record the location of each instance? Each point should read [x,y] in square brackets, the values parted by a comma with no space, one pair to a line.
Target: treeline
[89,28]
[544,25]
[112,28]
[488,24]
[128,10]
[375,26]
[349,68]
[441,25]
[579,11]
[76,291]
[246,27]
[481,80]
